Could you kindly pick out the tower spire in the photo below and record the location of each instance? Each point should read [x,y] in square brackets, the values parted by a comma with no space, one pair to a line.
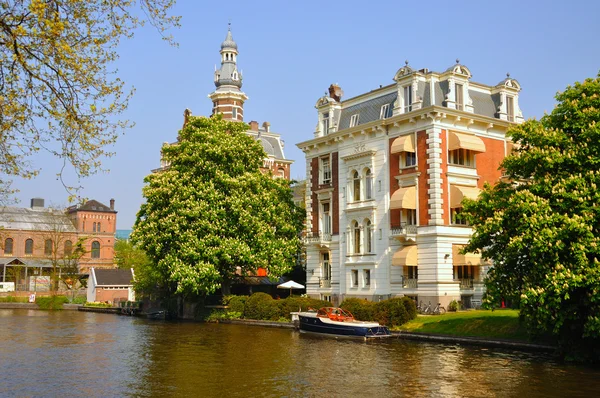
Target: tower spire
[228,99]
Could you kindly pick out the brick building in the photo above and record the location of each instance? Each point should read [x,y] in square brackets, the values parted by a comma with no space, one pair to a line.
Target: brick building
[387,171]
[32,238]
[228,100]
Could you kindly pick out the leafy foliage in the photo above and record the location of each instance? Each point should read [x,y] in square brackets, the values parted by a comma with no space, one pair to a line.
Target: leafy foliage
[261,306]
[58,89]
[542,227]
[212,210]
[235,304]
[391,312]
[51,302]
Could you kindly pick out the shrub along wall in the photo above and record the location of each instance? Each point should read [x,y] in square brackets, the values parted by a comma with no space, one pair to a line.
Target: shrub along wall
[261,306]
[392,312]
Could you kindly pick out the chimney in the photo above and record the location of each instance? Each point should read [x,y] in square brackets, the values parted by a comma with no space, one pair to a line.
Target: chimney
[254,125]
[37,203]
[266,126]
[112,204]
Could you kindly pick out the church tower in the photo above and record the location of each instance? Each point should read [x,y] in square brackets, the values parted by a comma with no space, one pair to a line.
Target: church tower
[228,99]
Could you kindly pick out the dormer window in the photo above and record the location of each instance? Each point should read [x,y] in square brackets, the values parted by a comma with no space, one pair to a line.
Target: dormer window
[326,123]
[510,108]
[354,120]
[407,99]
[459,97]
[384,112]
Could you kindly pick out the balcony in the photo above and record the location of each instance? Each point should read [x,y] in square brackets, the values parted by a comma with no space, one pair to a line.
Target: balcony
[465,284]
[409,283]
[320,239]
[404,232]
[324,282]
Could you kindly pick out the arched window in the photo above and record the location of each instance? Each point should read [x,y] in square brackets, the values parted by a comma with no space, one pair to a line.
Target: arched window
[8,246]
[48,247]
[281,173]
[368,184]
[356,186]
[95,249]
[68,248]
[356,232]
[29,246]
[98,227]
[369,237]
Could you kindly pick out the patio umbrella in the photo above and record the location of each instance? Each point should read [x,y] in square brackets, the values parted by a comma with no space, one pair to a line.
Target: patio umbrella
[290,285]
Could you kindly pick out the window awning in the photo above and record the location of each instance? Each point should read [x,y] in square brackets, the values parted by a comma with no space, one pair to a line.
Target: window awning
[458,192]
[404,198]
[407,257]
[406,143]
[465,259]
[465,141]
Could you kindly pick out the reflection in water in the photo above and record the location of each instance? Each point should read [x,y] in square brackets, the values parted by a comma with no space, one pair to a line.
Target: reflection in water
[98,355]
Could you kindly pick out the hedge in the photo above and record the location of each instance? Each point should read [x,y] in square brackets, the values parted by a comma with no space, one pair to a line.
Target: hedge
[51,302]
[392,312]
[261,306]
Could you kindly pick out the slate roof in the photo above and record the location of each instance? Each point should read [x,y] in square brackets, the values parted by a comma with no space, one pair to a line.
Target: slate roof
[272,145]
[113,277]
[94,205]
[368,110]
[35,219]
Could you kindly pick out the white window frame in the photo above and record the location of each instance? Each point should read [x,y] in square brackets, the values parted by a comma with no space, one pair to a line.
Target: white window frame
[354,278]
[356,186]
[409,216]
[510,108]
[385,109]
[325,167]
[354,120]
[366,278]
[325,266]
[368,184]
[234,113]
[326,218]
[325,123]
[462,157]
[405,159]
[454,211]
[356,237]
[459,97]
[407,96]
[369,237]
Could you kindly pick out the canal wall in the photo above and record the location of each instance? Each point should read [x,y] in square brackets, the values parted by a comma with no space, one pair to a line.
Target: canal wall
[33,306]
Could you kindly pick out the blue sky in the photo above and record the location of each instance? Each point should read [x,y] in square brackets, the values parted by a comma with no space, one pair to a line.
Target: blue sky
[291,52]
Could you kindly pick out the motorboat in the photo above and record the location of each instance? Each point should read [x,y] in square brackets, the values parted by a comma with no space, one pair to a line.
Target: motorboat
[339,322]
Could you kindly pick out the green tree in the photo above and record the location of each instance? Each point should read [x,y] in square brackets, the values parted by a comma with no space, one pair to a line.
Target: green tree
[147,280]
[212,210]
[58,87]
[127,255]
[542,226]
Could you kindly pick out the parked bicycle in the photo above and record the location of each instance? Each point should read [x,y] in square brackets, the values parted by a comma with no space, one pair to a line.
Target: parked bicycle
[438,310]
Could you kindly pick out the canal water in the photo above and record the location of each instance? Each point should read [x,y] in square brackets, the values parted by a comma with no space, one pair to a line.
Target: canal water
[68,353]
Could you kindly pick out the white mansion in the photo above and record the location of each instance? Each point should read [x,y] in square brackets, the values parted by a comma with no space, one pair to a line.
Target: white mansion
[386,174]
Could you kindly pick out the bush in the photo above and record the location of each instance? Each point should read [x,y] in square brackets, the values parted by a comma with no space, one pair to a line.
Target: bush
[51,302]
[391,312]
[362,310]
[411,307]
[13,299]
[98,305]
[219,315]
[79,300]
[295,303]
[261,306]
[453,306]
[235,304]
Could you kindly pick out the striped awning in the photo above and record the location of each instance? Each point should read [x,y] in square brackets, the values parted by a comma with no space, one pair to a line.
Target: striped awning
[406,143]
[404,198]
[406,257]
[465,259]
[458,192]
[465,141]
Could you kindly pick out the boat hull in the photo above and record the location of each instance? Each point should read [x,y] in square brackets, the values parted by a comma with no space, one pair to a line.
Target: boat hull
[316,324]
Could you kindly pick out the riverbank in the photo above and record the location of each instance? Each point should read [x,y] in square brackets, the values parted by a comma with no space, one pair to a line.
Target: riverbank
[34,306]
[492,329]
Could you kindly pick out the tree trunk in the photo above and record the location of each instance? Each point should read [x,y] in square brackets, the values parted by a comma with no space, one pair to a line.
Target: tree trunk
[226,287]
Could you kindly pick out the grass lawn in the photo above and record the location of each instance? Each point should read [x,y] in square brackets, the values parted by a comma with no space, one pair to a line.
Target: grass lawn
[499,324]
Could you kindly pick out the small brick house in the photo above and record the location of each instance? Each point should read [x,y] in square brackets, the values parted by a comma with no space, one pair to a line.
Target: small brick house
[110,285]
